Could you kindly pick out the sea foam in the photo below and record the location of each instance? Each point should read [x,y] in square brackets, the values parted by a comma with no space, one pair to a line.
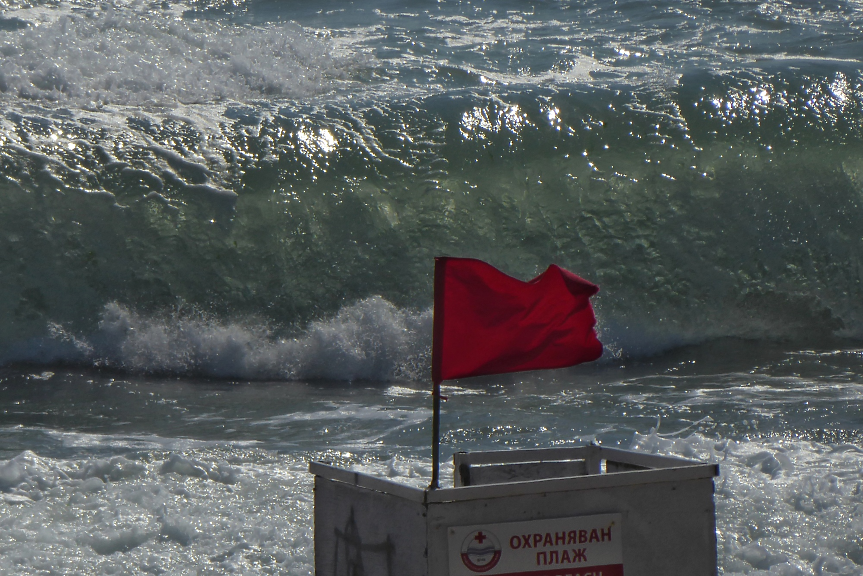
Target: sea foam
[371,339]
[155,516]
[132,56]
[784,507]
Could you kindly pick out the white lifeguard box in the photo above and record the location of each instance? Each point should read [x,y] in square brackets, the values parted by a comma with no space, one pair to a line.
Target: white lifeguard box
[585,511]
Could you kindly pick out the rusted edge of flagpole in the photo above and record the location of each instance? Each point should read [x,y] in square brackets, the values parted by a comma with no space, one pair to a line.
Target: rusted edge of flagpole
[437,352]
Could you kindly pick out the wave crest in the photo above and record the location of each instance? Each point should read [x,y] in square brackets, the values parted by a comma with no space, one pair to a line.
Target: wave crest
[369,340]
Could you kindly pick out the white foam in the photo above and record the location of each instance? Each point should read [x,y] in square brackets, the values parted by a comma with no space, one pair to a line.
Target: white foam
[783,507]
[219,472]
[369,340]
[57,518]
[132,55]
[352,412]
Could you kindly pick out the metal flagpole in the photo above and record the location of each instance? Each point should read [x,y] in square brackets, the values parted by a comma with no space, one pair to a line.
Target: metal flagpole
[435,438]
[437,352]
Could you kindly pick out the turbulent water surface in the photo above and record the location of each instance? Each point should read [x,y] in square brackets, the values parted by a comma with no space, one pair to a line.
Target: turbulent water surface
[217,227]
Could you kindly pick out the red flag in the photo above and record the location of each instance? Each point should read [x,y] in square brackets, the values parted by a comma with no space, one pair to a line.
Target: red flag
[486,322]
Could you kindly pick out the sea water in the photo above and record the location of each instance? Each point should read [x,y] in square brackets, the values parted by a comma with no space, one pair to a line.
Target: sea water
[217,226]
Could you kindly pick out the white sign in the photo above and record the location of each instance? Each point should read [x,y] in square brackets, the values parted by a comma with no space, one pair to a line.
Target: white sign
[577,546]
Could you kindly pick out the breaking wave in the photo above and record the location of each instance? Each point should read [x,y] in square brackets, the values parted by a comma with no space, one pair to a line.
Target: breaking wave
[369,340]
[207,153]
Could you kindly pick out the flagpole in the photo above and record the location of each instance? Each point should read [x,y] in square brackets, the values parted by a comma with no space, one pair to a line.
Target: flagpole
[435,438]
[437,353]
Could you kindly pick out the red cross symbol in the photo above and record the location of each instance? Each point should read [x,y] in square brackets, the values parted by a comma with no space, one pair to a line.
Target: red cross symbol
[480,537]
